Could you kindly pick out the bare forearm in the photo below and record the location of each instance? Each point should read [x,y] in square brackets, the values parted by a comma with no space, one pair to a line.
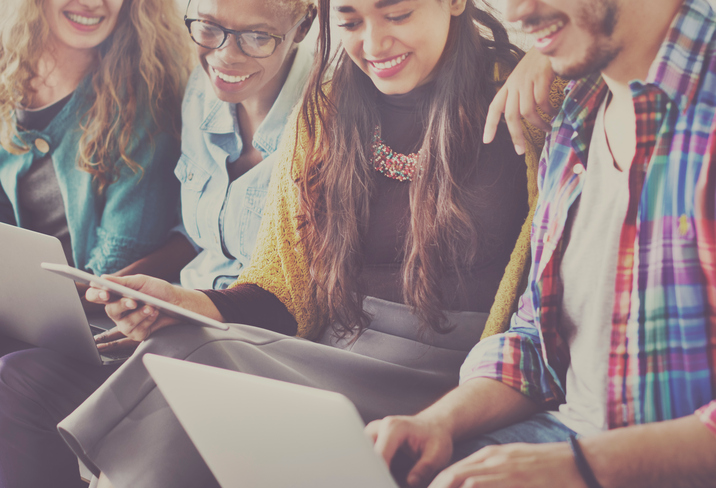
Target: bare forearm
[198,302]
[479,406]
[675,453]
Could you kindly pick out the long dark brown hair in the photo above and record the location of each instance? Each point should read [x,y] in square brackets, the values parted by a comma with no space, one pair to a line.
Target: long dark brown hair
[335,184]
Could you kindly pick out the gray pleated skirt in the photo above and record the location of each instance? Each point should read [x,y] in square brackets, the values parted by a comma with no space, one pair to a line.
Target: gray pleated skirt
[127,430]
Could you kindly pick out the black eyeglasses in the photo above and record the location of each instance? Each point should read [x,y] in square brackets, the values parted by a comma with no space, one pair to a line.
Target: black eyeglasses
[255,44]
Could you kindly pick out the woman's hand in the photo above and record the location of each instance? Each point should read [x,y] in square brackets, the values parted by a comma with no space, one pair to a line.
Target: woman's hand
[427,444]
[138,321]
[527,88]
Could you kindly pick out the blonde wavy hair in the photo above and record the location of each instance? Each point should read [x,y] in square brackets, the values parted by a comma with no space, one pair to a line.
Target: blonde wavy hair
[145,62]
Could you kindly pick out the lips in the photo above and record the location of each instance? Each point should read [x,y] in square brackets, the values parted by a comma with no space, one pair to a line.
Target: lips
[84,21]
[226,78]
[545,33]
[387,67]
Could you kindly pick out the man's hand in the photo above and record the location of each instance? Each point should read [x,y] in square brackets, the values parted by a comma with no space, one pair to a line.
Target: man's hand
[428,443]
[527,88]
[514,466]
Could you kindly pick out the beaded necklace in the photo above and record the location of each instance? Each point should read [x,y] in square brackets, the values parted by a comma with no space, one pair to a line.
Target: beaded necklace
[390,163]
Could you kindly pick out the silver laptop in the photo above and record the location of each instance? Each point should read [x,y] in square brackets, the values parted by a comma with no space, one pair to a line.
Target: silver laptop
[40,308]
[263,433]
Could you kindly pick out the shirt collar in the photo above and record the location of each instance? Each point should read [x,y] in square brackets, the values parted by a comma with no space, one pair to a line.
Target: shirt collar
[680,61]
[219,116]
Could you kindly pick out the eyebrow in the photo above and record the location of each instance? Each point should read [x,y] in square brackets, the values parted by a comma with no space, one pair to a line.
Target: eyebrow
[254,27]
[378,5]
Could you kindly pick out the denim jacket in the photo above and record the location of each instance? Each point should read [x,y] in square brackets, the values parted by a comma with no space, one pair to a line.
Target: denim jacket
[130,219]
[211,137]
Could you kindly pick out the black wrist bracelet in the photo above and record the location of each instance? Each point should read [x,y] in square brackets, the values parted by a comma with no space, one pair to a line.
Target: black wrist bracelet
[582,465]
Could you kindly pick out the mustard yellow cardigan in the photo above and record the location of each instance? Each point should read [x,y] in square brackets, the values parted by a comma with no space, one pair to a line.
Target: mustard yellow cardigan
[280,261]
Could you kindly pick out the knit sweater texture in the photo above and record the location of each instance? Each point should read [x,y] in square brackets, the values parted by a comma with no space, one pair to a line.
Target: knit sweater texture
[280,264]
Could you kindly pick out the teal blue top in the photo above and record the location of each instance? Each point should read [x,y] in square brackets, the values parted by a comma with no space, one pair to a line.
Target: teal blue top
[134,214]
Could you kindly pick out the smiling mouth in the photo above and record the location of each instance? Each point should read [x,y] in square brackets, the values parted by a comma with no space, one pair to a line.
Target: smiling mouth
[229,78]
[548,31]
[390,63]
[81,19]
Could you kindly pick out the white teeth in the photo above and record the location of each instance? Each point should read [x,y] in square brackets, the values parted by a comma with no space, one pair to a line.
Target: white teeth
[391,63]
[229,78]
[549,30]
[80,19]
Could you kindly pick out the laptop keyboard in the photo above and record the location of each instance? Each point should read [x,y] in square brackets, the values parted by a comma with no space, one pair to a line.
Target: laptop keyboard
[117,355]
[96,330]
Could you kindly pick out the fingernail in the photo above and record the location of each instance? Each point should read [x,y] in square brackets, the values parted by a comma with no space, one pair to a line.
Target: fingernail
[104,295]
[147,311]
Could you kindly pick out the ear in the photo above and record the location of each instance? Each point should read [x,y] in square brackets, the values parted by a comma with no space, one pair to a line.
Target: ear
[457,7]
[306,24]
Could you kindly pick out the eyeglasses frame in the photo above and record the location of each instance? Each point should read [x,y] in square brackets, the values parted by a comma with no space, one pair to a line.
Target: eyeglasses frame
[237,34]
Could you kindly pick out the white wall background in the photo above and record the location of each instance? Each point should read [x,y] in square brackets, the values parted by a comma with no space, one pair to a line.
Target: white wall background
[517,37]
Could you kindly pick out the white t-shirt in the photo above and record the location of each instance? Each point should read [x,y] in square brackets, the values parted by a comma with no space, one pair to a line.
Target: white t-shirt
[588,272]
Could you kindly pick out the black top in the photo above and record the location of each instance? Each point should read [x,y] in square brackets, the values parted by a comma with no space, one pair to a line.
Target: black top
[500,181]
[39,119]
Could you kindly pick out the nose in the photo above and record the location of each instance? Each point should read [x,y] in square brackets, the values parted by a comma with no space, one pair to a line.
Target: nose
[230,52]
[90,4]
[516,10]
[376,40]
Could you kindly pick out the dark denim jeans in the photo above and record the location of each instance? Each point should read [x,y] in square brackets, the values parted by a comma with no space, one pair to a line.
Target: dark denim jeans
[539,429]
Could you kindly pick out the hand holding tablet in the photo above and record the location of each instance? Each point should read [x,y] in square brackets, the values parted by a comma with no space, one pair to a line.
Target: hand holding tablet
[165,307]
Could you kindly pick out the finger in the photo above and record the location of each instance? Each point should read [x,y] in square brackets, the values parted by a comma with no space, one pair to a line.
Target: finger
[112,334]
[494,115]
[542,90]
[124,343]
[371,430]
[135,282]
[98,295]
[434,457]
[528,109]
[391,435]
[514,122]
[137,325]
[120,309]
[456,476]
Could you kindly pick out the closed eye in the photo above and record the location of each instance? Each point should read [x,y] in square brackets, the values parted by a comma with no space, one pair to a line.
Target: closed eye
[349,25]
[399,18]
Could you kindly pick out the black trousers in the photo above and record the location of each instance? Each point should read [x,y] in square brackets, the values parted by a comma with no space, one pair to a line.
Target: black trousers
[38,388]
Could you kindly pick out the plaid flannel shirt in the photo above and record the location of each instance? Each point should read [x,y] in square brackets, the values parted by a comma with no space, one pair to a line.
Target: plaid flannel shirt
[662,362]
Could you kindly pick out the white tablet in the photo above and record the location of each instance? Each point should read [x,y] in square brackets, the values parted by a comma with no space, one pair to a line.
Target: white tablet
[166,307]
